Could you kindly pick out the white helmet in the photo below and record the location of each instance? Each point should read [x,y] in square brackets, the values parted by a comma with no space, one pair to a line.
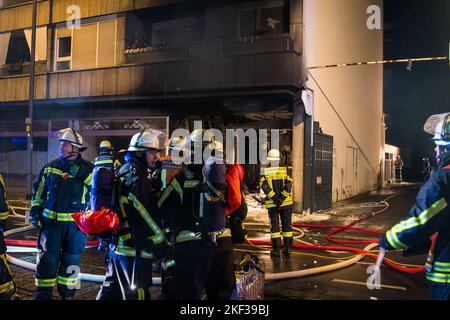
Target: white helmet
[274,155]
[144,140]
[176,143]
[75,139]
[439,126]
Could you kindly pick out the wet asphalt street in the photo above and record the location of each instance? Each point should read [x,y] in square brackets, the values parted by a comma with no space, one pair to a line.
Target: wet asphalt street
[348,283]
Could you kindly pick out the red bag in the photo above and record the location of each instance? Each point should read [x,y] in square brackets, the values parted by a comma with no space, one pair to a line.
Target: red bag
[97,222]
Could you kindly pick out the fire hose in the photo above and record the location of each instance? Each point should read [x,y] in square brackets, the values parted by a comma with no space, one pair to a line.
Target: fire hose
[31,266]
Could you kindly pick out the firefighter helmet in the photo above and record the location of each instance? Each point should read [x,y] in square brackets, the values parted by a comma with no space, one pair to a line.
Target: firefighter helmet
[73,137]
[106,144]
[144,140]
[439,126]
[176,143]
[274,155]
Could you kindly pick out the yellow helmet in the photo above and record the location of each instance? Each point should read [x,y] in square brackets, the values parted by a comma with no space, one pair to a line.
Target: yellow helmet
[105,144]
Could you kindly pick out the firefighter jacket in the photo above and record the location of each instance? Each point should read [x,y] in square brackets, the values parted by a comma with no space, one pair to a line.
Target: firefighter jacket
[104,160]
[430,214]
[180,204]
[183,206]
[3,203]
[215,186]
[277,186]
[62,188]
[140,227]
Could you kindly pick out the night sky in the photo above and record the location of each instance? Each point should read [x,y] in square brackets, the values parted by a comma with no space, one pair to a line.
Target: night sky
[415,29]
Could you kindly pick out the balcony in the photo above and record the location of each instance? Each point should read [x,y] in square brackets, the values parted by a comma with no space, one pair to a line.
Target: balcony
[209,65]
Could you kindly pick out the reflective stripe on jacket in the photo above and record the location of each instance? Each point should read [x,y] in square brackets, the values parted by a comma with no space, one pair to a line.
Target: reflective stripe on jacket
[62,188]
[277,185]
[430,214]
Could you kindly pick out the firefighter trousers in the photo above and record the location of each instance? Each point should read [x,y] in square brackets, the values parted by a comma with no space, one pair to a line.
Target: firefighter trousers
[285,215]
[221,278]
[127,278]
[439,292]
[60,245]
[192,262]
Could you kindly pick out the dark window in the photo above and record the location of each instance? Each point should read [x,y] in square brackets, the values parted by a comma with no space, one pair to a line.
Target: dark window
[18,50]
[65,47]
[263,21]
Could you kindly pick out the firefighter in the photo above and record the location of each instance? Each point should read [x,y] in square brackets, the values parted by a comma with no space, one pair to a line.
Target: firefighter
[277,186]
[7,284]
[170,208]
[221,278]
[398,164]
[140,238]
[196,223]
[62,188]
[429,216]
[105,155]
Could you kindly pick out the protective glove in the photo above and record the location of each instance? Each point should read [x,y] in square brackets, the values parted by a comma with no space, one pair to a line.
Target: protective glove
[277,201]
[34,219]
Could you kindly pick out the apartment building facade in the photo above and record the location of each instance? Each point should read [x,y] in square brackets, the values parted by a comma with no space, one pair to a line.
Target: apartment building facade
[112,67]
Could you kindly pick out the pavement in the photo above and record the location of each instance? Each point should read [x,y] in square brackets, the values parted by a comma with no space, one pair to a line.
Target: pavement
[384,207]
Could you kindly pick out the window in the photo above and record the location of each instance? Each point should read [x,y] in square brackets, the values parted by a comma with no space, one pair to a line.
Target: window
[262,21]
[91,46]
[173,33]
[18,50]
[65,47]
[63,59]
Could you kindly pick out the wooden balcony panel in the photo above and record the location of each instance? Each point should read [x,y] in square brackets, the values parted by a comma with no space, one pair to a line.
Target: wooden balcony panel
[63,85]
[54,86]
[264,71]
[110,82]
[74,84]
[19,17]
[238,71]
[85,84]
[22,88]
[10,89]
[152,81]
[124,81]
[125,5]
[97,82]
[137,80]
[40,86]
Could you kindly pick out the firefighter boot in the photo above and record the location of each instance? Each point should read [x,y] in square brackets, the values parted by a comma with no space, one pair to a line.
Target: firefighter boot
[276,245]
[287,241]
